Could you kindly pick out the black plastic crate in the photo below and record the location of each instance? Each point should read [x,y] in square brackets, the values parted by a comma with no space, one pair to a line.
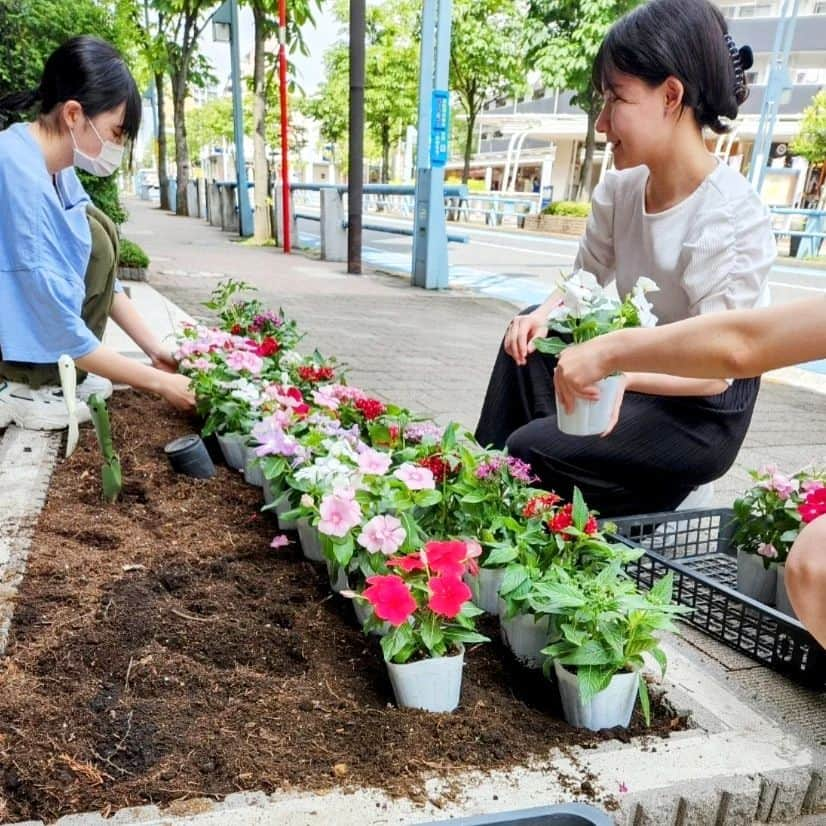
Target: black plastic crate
[696,546]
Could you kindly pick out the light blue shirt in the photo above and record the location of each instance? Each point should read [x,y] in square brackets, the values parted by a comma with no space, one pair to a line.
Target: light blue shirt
[45,245]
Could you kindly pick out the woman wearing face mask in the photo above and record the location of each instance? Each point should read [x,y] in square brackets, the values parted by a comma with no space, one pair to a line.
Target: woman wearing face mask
[671,212]
[58,254]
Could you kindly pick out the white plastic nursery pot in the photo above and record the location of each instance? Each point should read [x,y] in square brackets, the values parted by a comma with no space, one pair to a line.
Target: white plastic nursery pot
[613,706]
[338,578]
[285,524]
[485,587]
[782,601]
[269,493]
[364,611]
[526,637]
[234,448]
[253,475]
[434,684]
[310,541]
[590,418]
[754,580]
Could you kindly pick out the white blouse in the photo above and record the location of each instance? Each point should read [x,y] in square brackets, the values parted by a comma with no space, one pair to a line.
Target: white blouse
[712,251]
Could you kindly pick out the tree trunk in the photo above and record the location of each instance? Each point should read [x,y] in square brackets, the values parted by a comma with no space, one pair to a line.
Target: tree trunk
[163,178]
[471,123]
[385,153]
[584,187]
[179,89]
[263,228]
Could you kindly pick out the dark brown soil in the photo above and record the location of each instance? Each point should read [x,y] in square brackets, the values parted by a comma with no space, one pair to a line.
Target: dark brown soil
[161,650]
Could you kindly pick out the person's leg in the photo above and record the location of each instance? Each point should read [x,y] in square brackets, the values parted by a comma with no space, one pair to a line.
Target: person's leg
[97,304]
[806,578]
[516,395]
[660,450]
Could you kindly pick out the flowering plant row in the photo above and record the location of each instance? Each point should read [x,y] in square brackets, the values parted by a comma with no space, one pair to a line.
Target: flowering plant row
[409,514]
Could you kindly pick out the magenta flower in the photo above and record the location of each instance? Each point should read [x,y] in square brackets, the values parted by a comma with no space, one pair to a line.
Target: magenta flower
[280,541]
[811,485]
[383,534]
[340,513]
[374,462]
[415,477]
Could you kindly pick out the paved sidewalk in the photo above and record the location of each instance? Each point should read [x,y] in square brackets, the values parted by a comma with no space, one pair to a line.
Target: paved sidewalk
[759,749]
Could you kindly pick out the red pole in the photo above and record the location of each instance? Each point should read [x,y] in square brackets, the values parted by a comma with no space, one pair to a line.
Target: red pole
[282,76]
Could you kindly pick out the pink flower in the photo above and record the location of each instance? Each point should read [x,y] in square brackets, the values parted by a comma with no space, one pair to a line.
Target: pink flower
[373,462]
[813,506]
[240,360]
[339,512]
[446,558]
[811,485]
[415,477]
[382,533]
[781,485]
[768,550]
[390,597]
[202,364]
[447,595]
[280,541]
[474,551]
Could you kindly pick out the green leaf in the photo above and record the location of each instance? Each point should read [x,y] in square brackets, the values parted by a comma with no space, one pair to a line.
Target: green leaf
[645,702]
[553,345]
[580,510]
[431,632]
[427,498]
[515,576]
[592,680]
[499,556]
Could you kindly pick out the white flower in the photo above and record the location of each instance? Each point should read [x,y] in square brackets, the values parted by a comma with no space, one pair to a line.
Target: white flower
[340,448]
[647,318]
[291,358]
[645,285]
[580,292]
[246,391]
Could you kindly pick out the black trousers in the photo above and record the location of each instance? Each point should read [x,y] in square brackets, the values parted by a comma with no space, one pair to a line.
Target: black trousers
[660,450]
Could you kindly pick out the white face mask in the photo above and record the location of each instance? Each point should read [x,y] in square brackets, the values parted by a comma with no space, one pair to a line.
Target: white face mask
[107,162]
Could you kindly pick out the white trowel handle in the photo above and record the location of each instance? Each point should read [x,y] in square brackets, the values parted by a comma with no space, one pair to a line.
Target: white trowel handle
[68,384]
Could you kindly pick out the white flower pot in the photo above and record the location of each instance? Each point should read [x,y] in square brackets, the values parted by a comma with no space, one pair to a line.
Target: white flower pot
[363,612]
[281,508]
[234,448]
[526,637]
[782,601]
[590,418]
[434,684]
[310,540]
[611,707]
[485,587]
[252,470]
[754,580]
[339,581]
[269,493]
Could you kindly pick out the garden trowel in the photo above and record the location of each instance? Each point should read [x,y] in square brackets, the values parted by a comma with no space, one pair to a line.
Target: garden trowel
[110,474]
[68,384]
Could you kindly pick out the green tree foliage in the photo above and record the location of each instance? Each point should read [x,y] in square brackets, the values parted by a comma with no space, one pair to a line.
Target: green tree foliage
[485,58]
[811,142]
[563,38]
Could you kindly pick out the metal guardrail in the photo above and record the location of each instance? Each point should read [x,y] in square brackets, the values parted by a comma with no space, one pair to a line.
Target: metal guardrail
[804,241]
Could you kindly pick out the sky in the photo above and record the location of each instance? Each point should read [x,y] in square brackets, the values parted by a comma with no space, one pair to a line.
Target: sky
[310,70]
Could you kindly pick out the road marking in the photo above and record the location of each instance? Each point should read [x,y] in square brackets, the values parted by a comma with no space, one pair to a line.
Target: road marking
[798,287]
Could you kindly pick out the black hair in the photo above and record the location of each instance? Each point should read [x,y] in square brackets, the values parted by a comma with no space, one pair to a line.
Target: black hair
[686,39]
[89,71]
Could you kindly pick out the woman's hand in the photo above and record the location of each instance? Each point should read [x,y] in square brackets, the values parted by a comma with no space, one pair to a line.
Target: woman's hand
[521,332]
[174,387]
[578,369]
[164,360]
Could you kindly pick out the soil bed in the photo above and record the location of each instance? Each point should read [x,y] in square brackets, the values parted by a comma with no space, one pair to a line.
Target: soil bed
[161,650]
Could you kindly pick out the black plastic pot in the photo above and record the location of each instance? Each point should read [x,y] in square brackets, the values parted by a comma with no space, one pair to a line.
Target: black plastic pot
[188,455]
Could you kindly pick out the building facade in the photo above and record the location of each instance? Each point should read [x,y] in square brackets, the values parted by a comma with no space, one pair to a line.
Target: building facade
[536,143]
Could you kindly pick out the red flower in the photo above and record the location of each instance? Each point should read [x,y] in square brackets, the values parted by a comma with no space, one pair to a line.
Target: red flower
[390,597]
[539,504]
[409,563]
[268,347]
[446,558]
[562,519]
[447,595]
[591,526]
[813,506]
[370,408]
[314,374]
[395,432]
[236,329]
[437,466]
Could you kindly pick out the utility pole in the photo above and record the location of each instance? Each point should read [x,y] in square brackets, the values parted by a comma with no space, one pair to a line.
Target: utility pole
[430,266]
[779,83]
[355,177]
[152,101]
[225,29]
[285,146]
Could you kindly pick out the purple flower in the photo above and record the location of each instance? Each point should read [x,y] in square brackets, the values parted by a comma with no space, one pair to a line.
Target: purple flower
[521,470]
[420,431]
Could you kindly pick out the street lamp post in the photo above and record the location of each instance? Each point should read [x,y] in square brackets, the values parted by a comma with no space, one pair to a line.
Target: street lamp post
[777,86]
[430,268]
[225,29]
